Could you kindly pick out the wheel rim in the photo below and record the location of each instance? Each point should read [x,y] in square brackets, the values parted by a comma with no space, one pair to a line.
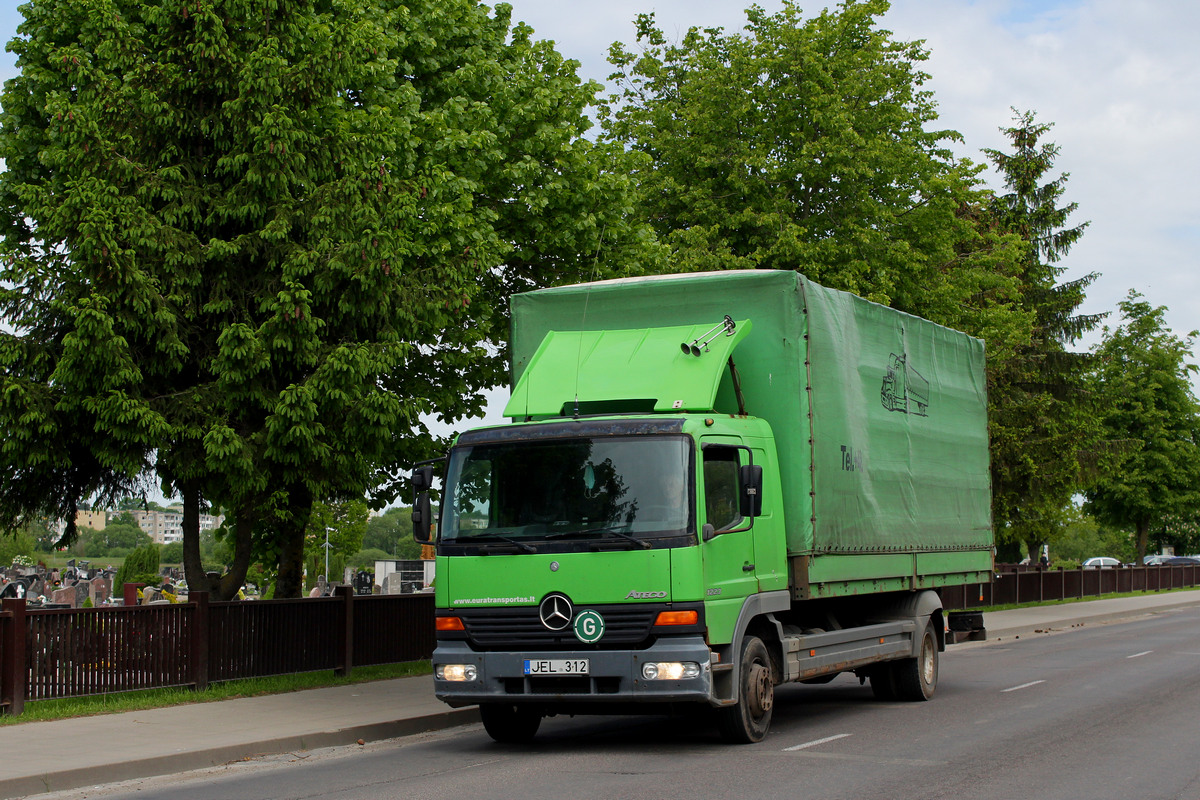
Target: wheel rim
[761,690]
[928,664]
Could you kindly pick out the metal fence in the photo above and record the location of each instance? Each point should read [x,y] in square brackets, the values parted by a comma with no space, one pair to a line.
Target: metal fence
[1012,585]
[56,653]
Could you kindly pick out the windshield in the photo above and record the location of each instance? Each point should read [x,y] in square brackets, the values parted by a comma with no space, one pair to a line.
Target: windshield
[627,489]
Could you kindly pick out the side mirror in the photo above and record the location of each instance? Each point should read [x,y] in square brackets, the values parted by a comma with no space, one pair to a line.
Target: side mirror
[422,479]
[422,515]
[752,480]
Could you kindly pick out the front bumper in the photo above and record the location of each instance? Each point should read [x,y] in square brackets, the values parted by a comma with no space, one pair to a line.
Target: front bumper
[615,675]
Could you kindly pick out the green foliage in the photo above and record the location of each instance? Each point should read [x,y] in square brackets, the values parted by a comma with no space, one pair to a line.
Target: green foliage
[13,545]
[118,538]
[365,559]
[808,145]
[172,553]
[345,523]
[388,530]
[247,247]
[1143,373]
[1045,438]
[1081,537]
[141,566]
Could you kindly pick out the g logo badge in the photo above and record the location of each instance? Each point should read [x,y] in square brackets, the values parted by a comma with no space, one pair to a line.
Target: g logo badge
[589,627]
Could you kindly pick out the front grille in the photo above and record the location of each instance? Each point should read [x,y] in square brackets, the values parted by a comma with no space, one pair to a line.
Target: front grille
[508,628]
[577,685]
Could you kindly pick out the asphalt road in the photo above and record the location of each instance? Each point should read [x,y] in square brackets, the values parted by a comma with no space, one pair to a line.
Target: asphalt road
[1110,711]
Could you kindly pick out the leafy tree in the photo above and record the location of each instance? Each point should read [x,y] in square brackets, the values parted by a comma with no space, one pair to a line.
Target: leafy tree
[140,566]
[124,532]
[387,530]
[1044,433]
[89,543]
[245,248]
[172,553]
[1081,537]
[12,545]
[809,145]
[366,558]
[1143,372]
[344,524]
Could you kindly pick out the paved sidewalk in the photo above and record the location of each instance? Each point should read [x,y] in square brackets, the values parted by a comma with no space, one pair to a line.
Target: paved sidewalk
[40,757]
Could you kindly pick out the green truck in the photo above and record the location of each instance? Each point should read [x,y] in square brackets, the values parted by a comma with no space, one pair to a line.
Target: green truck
[712,484]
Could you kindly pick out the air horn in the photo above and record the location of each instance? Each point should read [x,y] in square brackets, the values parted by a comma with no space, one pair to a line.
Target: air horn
[694,348]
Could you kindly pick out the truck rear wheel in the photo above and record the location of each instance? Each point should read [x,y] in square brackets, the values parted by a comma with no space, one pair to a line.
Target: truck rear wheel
[883,682]
[748,721]
[916,678]
[508,723]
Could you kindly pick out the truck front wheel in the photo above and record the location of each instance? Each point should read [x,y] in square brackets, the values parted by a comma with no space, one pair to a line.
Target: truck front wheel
[916,678]
[748,721]
[508,723]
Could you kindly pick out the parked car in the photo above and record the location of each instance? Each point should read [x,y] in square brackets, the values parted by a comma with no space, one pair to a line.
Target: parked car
[1178,561]
[1101,562]
[1155,560]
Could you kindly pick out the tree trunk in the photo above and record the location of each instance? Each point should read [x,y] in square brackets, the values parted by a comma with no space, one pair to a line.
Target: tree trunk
[226,586]
[289,581]
[193,568]
[229,584]
[1143,540]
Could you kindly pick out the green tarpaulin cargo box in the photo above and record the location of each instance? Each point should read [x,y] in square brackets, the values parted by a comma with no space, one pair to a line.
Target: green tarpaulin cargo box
[880,417]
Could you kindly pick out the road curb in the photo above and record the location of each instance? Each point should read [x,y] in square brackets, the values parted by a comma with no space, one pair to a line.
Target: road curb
[1069,623]
[215,756]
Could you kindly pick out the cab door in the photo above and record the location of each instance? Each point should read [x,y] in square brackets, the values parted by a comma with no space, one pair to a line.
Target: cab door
[727,541]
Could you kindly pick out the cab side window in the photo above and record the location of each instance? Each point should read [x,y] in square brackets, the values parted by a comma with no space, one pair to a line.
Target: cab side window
[721,489]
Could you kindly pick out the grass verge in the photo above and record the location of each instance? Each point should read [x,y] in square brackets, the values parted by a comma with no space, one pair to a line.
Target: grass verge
[43,710]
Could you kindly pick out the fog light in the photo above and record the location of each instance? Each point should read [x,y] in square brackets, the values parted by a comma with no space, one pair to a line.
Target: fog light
[455,672]
[670,670]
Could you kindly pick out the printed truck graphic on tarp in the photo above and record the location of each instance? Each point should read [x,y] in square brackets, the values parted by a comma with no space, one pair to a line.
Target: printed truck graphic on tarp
[904,389]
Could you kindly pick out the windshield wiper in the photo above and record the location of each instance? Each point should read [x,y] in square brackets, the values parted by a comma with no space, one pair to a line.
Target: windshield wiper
[610,532]
[493,537]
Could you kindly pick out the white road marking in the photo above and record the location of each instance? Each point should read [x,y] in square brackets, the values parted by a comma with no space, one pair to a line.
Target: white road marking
[1139,655]
[816,742]
[1022,686]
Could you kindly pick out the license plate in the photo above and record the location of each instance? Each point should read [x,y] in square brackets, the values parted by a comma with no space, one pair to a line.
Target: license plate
[557,666]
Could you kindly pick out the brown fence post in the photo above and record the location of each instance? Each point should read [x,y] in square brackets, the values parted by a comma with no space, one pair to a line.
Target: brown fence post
[199,644]
[12,665]
[346,632]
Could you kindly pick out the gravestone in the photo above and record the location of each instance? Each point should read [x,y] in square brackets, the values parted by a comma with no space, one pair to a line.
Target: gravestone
[65,596]
[100,591]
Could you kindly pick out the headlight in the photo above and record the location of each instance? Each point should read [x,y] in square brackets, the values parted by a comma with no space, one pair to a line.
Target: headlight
[670,670]
[455,672]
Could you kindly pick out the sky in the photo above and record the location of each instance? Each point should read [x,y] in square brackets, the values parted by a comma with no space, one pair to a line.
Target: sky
[1119,80]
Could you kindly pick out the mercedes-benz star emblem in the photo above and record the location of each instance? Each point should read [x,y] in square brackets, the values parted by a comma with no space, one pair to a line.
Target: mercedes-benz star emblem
[556,612]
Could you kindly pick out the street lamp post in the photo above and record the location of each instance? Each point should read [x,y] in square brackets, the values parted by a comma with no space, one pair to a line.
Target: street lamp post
[327,545]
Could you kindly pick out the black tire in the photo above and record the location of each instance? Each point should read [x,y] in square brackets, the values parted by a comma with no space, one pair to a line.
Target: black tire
[508,723]
[748,721]
[916,678]
[883,682]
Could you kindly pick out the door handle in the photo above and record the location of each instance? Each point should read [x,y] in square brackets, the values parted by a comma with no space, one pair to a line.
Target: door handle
[747,568]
